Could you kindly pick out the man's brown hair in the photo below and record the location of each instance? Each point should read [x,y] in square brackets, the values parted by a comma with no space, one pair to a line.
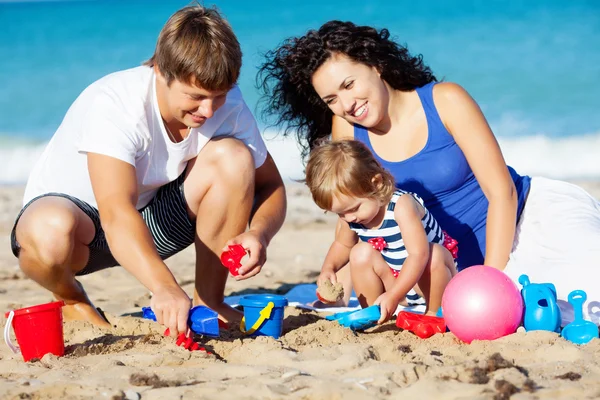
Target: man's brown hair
[197,46]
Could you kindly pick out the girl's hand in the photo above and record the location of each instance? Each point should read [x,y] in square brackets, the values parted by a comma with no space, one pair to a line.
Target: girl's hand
[326,275]
[387,303]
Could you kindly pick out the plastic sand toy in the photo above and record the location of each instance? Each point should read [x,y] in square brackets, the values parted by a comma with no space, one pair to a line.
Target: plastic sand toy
[357,320]
[202,320]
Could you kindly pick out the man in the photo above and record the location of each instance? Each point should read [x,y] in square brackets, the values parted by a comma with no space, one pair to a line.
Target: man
[146,162]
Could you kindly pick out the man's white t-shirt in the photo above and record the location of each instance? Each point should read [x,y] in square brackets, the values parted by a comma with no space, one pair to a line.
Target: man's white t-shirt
[118,116]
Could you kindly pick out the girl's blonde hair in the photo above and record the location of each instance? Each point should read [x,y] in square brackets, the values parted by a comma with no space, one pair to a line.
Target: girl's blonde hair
[346,167]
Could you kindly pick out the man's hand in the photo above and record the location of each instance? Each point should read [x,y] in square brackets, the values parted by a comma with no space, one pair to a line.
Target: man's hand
[256,246]
[171,305]
[388,304]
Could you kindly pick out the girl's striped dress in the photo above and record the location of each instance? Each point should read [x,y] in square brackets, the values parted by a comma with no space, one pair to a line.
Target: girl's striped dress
[395,252]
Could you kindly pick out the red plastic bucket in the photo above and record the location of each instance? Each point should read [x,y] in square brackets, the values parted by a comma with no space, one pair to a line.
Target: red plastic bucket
[38,329]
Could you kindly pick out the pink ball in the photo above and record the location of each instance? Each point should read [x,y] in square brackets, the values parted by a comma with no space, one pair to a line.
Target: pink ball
[482,303]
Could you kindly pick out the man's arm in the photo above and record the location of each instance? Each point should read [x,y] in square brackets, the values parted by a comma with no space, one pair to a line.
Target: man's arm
[115,189]
[270,203]
[267,216]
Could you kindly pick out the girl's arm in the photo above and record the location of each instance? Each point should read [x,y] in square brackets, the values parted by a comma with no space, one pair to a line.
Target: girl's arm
[408,214]
[339,251]
[465,121]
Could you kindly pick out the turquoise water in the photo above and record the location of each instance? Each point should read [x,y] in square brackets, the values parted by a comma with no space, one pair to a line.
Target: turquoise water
[533,66]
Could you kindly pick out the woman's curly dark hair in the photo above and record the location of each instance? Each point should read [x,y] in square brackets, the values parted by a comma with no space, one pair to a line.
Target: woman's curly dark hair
[285,83]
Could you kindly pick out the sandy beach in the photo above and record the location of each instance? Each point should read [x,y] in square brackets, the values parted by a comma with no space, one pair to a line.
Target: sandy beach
[314,359]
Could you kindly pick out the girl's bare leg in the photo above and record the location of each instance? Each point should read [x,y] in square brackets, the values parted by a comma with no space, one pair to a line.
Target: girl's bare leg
[438,272]
[371,275]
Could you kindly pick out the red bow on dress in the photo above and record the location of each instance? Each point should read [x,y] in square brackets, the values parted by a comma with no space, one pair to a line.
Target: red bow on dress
[378,243]
[451,244]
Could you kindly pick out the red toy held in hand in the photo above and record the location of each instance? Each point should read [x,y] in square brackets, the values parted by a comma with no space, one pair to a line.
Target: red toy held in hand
[231,258]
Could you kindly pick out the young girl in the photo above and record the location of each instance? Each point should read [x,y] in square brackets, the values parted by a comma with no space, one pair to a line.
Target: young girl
[392,243]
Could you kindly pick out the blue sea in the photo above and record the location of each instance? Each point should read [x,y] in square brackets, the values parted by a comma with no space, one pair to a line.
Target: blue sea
[533,66]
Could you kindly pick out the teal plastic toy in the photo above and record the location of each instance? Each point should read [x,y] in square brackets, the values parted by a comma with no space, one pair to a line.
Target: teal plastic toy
[541,309]
[357,320]
[579,331]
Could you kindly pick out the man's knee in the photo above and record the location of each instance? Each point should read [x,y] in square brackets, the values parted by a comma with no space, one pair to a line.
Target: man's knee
[46,231]
[231,157]
[224,166]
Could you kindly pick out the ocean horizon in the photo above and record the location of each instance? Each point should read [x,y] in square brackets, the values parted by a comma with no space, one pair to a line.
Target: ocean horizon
[533,66]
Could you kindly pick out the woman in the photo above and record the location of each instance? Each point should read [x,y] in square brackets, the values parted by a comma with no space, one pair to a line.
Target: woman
[353,81]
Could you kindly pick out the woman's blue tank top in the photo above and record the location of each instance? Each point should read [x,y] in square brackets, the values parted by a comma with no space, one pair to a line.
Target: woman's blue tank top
[441,175]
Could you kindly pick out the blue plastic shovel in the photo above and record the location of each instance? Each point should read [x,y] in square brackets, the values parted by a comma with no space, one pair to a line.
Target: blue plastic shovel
[357,320]
[579,331]
[202,320]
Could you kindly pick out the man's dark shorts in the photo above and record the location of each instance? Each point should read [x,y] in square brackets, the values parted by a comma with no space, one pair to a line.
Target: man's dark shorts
[166,217]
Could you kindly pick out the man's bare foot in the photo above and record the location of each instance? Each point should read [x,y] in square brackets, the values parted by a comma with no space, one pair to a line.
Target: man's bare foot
[228,314]
[78,307]
[79,311]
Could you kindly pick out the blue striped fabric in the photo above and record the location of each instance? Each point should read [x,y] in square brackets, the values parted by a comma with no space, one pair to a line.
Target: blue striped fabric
[395,253]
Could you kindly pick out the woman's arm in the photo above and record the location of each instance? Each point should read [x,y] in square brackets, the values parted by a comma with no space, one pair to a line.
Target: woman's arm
[464,120]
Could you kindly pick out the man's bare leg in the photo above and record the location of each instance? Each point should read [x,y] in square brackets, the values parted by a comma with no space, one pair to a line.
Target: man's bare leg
[53,234]
[219,187]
